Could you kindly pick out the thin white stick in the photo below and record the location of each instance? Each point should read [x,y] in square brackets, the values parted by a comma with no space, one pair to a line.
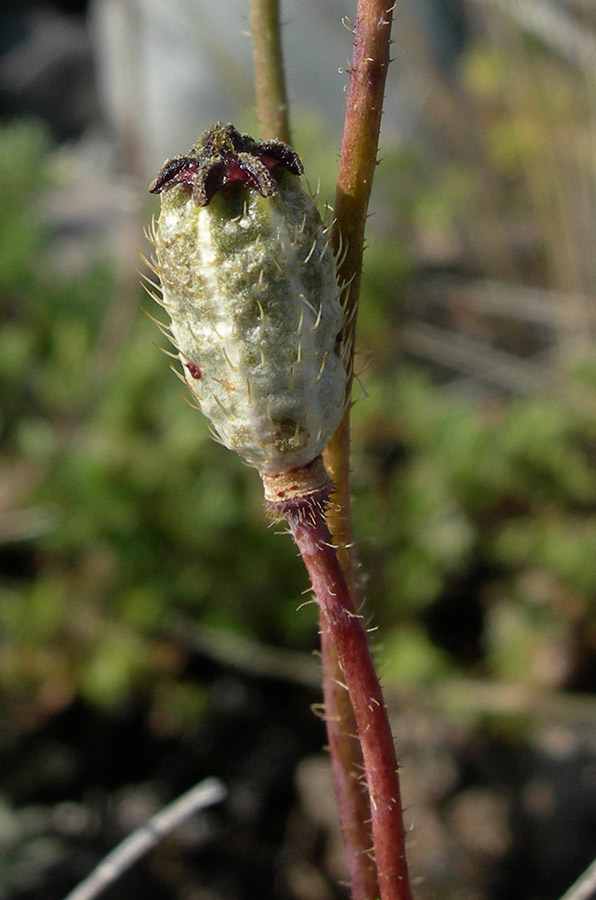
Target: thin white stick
[585,886]
[147,836]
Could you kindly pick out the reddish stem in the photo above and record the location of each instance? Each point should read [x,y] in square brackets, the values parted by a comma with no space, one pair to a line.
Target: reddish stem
[370,62]
[347,765]
[345,752]
[358,157]
[311,534]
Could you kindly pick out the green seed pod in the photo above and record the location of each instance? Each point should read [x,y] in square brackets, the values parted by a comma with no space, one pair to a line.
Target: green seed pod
[249,282]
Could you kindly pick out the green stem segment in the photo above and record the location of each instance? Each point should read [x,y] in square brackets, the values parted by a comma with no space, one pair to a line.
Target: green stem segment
[272,103]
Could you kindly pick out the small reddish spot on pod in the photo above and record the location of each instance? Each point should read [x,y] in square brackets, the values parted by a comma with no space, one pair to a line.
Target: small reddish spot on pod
[194,370]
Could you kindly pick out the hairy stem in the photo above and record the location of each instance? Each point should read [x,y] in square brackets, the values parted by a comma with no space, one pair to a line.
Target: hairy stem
[358,159]
[347,763]
[311,534]
[272,104]
[368,71]
[347,766]
[362,126]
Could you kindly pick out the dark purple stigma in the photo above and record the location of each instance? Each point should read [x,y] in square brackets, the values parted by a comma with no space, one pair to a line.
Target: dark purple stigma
[181,170]
[224,156]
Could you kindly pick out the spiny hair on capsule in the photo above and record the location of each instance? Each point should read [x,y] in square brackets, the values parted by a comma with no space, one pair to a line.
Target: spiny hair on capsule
[228,360]
[223,409]
[307,303]
[306,260]
[220,436]
[178,374]
[324,251]
[278,265]
[226,385]
[151,289]
[154,285]
[163,328]
[150,231]
[194,370]
[212,325]
[299,229]
[194,403]
[321,370]
[167,352]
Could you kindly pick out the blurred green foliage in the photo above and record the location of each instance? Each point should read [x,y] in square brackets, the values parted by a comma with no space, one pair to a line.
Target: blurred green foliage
[496,505]
[134,518]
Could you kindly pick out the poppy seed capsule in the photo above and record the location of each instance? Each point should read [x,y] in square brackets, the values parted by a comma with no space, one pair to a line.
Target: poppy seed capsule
[249,282]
